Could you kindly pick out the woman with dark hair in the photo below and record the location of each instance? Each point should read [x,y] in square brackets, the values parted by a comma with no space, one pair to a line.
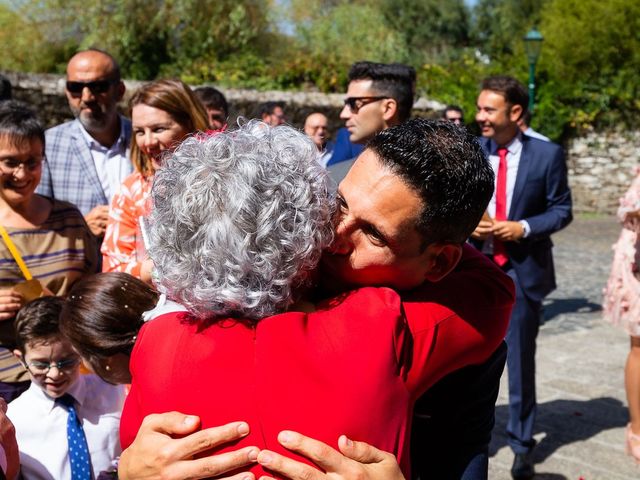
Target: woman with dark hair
[163,113]
[101,318]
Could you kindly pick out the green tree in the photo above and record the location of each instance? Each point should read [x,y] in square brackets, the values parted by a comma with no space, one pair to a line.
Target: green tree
[589,69]
[336,34]
[500,25]
[431,29]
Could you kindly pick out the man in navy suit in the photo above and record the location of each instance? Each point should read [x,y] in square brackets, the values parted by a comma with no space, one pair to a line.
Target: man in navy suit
[532,200]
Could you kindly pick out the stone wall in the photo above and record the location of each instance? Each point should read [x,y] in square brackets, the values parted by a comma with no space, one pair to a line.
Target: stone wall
[46,93]
[601,167]
[600,163]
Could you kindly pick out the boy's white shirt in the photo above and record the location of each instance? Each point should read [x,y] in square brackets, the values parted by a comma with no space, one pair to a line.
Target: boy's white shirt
[41,427]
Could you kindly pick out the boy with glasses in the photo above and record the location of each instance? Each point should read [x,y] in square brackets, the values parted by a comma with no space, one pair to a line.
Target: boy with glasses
[67,424]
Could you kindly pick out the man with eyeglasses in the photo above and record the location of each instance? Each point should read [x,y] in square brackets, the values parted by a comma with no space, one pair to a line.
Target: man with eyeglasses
[88,158]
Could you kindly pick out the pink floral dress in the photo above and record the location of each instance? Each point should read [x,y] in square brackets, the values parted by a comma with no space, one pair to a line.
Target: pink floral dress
[621,302]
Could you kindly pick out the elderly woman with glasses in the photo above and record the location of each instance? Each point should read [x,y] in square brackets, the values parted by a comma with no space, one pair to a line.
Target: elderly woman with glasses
[46,245]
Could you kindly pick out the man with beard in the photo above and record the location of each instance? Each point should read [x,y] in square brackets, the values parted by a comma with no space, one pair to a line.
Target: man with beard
[88,158]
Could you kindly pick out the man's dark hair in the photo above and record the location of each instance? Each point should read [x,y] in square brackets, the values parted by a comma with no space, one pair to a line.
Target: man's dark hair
[18,122]
[212,98]
[510,88]
[393,79]
[267,108]
[526,118]
[5,88]
[446,166]
[38,321]
[452,108]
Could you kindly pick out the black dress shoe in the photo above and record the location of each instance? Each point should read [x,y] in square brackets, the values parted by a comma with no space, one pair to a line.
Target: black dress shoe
[522,468]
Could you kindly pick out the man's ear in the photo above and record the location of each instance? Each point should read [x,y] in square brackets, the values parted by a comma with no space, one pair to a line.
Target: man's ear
[389,109]
[121,90]
[442,258]
[516,113]
[18,354]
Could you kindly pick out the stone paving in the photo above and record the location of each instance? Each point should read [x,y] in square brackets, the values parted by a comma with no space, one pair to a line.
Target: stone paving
[580,359]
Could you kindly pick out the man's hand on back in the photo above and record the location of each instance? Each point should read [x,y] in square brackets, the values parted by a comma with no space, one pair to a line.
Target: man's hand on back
[155,454]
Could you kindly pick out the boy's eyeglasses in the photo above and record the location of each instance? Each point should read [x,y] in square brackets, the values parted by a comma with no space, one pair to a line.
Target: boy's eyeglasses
[42,368]
[96,87]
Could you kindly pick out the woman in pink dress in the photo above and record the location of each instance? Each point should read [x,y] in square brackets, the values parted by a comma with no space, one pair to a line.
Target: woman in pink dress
[163,113]
[622,304]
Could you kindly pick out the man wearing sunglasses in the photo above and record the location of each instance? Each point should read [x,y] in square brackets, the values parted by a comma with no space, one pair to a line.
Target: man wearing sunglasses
[379,96]
[88,158]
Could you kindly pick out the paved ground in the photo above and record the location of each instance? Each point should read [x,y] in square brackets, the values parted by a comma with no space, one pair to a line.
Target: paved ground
[580,360]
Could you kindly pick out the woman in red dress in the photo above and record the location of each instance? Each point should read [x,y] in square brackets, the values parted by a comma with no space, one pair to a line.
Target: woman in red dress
[239,222]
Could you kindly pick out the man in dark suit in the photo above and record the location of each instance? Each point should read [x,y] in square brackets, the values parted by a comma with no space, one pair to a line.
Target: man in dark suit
[531,201]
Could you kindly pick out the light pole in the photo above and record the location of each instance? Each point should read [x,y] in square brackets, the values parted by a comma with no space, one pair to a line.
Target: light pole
[532,44]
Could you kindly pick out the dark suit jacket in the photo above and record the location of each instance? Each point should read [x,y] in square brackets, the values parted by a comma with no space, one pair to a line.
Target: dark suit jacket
[541,196]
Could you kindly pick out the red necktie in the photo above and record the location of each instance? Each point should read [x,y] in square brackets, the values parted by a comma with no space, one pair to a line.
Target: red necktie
[499,252]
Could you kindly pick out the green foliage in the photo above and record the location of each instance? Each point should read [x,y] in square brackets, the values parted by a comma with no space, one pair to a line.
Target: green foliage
[586,76]
[593,71]
[431,29]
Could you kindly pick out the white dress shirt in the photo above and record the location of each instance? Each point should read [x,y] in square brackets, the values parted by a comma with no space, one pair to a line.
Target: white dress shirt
[41,428]
[112,163]
[530,132]
[514,149]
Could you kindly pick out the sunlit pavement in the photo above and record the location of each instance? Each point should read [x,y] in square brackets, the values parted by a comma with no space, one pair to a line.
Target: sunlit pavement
[580,359]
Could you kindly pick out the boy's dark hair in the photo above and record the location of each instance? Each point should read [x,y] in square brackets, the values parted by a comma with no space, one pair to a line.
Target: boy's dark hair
[393,79]
[18,122]
[38,321]
[267,108]
[212,98]
[103,314]
[446,166]
[510,88]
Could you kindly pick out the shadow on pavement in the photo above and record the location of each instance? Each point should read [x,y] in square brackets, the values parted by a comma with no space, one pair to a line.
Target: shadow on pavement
[564,422]
[554,307]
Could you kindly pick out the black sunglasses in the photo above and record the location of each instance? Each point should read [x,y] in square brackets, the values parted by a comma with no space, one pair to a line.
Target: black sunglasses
[356,103]
[96,87]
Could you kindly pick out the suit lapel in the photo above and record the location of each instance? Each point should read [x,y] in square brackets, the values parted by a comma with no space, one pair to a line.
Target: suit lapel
[87,165]
[521,178]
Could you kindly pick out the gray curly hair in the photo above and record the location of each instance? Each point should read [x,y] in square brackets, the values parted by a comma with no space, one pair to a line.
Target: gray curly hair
[240,220]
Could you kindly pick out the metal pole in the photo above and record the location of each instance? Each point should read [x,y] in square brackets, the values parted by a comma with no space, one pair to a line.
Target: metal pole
[532,85]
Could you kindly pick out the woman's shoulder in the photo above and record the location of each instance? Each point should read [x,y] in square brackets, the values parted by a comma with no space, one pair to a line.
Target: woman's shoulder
[366,301]
[62,211]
